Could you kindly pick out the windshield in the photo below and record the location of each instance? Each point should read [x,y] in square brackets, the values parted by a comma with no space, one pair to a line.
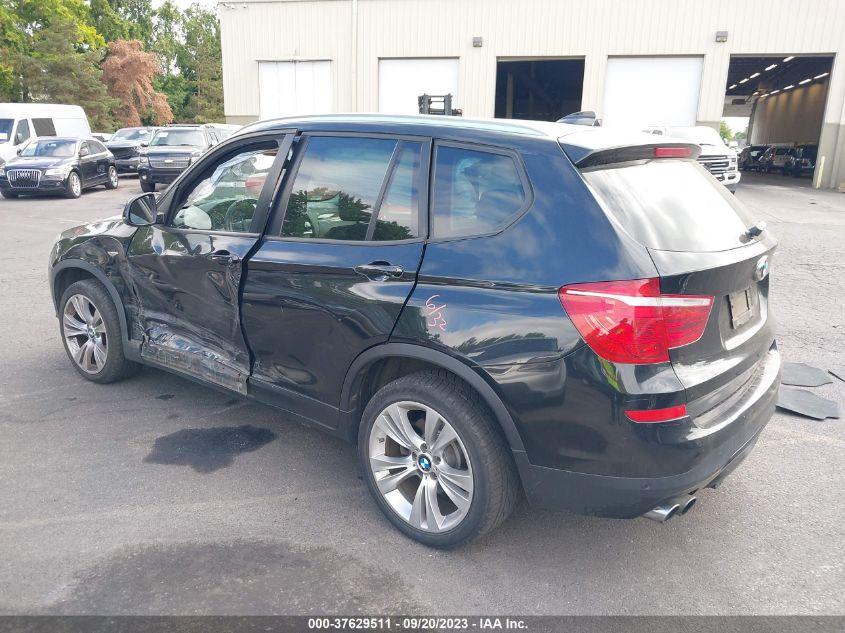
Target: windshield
[194,138]
[57,149]
[6,129]
[131,134]
[700,134]
[672,205]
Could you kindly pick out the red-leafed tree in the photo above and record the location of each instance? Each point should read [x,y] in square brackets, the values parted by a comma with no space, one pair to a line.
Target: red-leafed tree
[128,73]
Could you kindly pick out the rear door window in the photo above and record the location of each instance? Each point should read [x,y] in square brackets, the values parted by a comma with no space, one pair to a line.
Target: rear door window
[670,204]
[44,127]
[476,191]
[355,188]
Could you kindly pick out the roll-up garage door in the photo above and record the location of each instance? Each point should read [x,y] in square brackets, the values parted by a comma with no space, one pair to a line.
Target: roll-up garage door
[401,81]
[643,91]
[289,88]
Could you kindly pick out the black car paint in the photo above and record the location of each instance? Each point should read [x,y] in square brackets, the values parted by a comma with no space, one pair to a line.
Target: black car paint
[311,331]
[127,152]
[179,156]
[93,170]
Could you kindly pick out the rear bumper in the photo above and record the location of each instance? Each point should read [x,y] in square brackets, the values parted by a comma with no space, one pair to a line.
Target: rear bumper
[719,449]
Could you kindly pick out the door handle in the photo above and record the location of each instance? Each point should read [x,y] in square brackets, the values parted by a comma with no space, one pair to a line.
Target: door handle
[380,271]
[224,257]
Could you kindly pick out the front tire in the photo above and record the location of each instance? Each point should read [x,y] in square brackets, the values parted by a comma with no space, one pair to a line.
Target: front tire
[435,460]
[148,187]
[113,180]
[91,334]
[73,188]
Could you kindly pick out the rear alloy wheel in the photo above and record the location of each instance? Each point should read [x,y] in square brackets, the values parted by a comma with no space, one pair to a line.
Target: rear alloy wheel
[435,460]
[91,333]
[73,188]
[113,180]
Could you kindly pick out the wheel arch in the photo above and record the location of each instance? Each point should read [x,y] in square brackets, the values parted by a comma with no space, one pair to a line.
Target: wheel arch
[367,360]
[70,271]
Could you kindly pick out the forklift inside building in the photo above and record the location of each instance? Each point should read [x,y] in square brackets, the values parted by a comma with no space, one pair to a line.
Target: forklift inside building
[539,89]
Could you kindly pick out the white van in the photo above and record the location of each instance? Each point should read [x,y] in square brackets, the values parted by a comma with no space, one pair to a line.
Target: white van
[20,122]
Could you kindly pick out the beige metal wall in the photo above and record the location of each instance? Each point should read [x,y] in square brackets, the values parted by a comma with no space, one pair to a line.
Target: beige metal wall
[354,34]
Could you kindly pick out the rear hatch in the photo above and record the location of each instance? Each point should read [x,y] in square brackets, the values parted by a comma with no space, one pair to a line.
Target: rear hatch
[702,242]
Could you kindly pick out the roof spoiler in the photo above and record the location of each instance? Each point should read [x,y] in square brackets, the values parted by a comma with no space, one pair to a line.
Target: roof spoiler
[584,157]
[584,117]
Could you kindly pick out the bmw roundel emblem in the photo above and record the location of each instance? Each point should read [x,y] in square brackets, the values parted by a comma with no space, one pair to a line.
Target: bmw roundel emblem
[425,463]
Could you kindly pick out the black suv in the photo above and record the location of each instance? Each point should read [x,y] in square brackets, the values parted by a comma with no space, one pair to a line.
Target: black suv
[483,307]
[56,165]
[170,151]
[127,144]
[802,161]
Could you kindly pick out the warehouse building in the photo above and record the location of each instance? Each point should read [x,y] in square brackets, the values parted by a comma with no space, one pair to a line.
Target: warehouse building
[636,63]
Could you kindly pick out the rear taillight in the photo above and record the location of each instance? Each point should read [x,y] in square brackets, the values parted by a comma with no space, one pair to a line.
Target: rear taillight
[652,416]
[672,152]
[631,322]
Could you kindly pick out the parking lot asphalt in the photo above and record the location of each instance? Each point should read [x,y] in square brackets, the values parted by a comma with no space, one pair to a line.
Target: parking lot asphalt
[158,496]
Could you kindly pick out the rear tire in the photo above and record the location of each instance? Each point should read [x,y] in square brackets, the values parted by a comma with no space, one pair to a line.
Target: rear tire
[478,448]
[148,187]
[91,335]
[113,180]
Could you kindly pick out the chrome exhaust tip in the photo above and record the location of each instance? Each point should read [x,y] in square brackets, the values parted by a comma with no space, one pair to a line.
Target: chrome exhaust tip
[687,504]
[663,512]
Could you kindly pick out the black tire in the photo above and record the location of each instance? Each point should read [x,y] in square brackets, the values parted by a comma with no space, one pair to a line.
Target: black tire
[8,194]
[112,179]
[116,367]
[148,187]
[496,483]
[71,190]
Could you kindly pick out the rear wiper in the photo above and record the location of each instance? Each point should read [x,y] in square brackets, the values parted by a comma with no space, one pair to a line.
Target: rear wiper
[755,230]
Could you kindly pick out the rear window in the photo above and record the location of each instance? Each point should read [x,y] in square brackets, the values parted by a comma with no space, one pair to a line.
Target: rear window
[672,205]
[44,127]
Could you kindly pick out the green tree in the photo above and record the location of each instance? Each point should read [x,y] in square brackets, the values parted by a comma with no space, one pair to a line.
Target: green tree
[55,71]
[725,132]
[12,41]
[202,64]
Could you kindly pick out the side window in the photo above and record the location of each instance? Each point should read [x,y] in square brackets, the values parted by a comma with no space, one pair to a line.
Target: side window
[475,191]
[226,196]
[97,147]
[86,148]
[398,215]
[44,127]
[22,134]
[337,187]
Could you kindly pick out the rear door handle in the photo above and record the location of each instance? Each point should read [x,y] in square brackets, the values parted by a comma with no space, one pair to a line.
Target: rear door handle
[380,270]
[224,257]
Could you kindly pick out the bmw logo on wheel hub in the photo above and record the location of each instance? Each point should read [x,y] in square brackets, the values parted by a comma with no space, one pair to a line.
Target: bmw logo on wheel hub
[424,463]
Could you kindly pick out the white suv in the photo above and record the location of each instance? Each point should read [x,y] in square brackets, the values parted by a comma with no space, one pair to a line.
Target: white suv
[719,159]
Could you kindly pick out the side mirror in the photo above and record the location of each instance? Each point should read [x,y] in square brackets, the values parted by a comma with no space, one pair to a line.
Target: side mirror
[83,152]
[141,211]
[145,143]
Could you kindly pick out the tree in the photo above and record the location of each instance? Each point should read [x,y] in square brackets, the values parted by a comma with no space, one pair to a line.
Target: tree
[55,71]
[725,132]
[123,19]
[202,64]
[11,44]
[128,73]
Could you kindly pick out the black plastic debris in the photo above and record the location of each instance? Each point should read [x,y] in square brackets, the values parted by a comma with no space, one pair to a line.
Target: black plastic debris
[803,375]
[807,403]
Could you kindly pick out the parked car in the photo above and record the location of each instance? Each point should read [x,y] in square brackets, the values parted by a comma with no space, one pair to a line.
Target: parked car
[801,161]
[20,122]
[716,157]
[64,166]
[103,137]
[482,306]
[126,144]
[171,150]
[775,158]
[749,157]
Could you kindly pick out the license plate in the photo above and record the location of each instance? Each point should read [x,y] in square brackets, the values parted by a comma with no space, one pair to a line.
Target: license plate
[742,306]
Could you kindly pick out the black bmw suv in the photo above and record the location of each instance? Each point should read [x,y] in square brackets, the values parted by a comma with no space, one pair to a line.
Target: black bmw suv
[56,165]
[484,307]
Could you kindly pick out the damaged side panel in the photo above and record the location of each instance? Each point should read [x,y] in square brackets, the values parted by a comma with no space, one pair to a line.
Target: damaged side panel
[188,295]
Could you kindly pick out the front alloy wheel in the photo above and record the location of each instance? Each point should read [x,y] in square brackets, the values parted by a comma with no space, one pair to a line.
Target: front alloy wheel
[421,466]
[85,334]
